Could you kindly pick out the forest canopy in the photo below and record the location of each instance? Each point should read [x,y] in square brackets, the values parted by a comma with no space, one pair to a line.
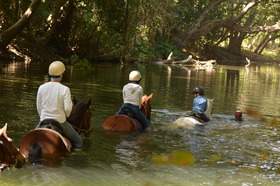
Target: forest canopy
[126,30]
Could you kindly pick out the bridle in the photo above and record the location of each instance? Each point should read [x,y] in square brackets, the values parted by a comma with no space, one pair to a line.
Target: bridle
[80,129]
[17,158]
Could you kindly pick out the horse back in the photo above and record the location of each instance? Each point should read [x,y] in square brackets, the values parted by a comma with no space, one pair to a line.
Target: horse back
[121,123]
[50,142]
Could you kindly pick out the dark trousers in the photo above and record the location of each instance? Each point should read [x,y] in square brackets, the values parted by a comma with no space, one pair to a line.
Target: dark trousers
[138,114]
[200,116]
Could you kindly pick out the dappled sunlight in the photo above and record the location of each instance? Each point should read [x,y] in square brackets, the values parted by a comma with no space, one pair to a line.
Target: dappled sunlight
[26,58]
[28,12]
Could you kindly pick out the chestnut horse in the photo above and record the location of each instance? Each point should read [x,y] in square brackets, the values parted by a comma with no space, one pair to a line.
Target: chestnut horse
[46,143]
[9,153]
[124,123]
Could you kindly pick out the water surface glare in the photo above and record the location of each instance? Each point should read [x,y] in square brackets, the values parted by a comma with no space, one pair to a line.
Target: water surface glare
[227,152]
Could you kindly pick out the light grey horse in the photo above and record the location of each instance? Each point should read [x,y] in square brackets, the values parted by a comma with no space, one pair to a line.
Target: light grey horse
[190,122]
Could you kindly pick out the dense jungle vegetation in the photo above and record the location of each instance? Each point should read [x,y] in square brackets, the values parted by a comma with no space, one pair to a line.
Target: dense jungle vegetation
[137,30]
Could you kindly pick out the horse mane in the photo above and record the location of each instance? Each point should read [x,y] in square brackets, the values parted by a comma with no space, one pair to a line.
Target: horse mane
[208,112]
[145,105]
[76,115]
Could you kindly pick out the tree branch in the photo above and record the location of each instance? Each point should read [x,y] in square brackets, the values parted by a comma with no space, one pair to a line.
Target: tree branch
[197,23]
[8,35]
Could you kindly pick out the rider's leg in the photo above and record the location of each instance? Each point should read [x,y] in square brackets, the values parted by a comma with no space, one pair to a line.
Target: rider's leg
[140,117]
[72,135]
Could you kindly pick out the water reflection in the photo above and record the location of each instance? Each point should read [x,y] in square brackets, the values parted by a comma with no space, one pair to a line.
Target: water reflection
[226,151]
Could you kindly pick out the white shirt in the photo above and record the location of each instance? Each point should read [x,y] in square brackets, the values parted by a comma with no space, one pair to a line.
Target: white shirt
[132,93]
[54,101]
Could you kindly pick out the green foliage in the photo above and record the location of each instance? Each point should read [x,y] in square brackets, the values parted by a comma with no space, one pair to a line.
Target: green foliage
[80,63]
[162,50]
[145,51]
[142,50]
[146,29]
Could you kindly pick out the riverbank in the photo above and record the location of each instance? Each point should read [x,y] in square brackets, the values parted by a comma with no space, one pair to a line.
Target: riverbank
[224,55]
[42,53]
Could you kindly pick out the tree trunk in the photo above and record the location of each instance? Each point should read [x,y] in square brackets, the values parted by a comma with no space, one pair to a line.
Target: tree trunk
[197,30]
[235,43]
[8,35]
[236,39]
[193,28]
[266,42]
[55,17]
[256,51]
[2,5]
[123,57]
[64,28]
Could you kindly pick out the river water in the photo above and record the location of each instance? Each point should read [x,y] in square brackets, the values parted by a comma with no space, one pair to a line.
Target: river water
[226,152]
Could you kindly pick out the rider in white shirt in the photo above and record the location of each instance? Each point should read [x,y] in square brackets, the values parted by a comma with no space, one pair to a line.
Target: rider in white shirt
[132,97]
[54,102]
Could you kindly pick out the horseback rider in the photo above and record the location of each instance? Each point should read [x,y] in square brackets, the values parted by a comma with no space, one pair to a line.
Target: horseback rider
[132,97]
[54,102]
[199,104]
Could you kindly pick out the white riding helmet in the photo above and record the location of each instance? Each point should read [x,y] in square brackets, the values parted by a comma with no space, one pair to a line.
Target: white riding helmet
[56,68]
[134,75]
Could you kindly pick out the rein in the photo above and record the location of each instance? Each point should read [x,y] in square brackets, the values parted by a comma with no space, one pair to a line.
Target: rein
[80,129]
[17,158]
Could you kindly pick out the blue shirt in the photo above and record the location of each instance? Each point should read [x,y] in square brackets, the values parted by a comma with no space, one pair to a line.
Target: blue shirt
[199,104]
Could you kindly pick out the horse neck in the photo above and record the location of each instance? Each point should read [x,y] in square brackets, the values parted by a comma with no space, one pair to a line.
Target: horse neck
[208,111]
[146,109]
[76,118]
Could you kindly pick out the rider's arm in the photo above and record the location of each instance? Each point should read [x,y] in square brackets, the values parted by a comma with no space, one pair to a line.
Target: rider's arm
[67,102]
[39,102]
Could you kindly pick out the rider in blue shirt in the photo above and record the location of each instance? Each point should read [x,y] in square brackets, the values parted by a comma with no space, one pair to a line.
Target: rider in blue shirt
[199,104]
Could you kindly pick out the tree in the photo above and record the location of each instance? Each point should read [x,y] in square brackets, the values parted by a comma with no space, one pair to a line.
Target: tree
[8,35]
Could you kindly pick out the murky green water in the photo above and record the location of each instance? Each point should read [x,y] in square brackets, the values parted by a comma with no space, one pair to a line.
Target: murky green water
[227,152]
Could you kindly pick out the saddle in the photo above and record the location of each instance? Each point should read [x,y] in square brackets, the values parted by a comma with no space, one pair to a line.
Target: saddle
[51,124]
[127,111]
[197,116]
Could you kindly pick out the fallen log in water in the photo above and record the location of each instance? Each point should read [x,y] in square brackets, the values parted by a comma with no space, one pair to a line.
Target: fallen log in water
[189,60]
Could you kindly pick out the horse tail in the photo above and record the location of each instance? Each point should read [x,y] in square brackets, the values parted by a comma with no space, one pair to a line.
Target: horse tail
[35,152]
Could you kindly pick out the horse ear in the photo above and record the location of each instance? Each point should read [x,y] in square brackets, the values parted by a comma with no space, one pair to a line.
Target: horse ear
[150,96]
[74,100]
[89,103]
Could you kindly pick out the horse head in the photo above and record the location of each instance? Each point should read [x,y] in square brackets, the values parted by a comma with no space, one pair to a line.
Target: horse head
[9,153]
[80,117]
[146,106]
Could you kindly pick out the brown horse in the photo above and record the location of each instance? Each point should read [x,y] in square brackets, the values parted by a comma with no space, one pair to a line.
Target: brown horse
[46,143]
[124,123]
[9,153]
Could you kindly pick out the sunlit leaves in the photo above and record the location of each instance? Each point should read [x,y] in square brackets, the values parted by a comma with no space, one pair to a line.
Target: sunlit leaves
[181,158]
[80,63]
